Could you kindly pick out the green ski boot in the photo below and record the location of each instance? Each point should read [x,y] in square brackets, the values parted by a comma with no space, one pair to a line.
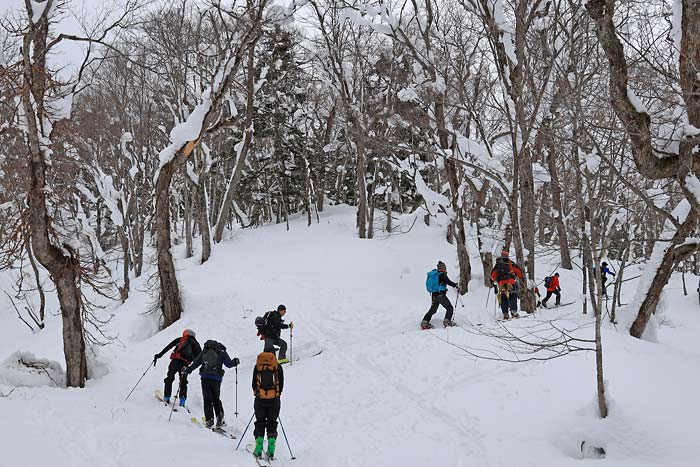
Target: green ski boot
[271,447]
[257,452]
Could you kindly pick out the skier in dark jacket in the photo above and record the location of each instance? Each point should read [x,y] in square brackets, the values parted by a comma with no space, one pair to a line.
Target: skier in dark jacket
[268,383]
[439,297]
[505,273]
[604,271]
[273,330]
[211,360]
[186,349]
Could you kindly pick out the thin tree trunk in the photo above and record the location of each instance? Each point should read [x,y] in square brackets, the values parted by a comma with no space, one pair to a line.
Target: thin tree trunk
[39,287]
[126,254]
[242,150]
[360,186]
[557,205]
[188,215]
[600,380]
[203,218]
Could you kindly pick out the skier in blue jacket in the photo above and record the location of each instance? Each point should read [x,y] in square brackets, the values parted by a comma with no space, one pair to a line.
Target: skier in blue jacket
[211,359]
[604,271]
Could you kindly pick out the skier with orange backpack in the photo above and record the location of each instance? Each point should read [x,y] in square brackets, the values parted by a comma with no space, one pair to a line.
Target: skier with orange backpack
[504,273]
[268,383]
[186,350]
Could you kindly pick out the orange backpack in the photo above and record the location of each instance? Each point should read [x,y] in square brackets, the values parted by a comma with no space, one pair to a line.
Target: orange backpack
[267,380]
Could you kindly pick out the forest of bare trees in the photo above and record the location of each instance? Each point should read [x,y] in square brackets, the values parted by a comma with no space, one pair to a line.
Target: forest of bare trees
[548,127]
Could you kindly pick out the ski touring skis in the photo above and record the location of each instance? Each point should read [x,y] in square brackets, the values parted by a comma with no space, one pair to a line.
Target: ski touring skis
[217,430]
[558,306]
[263,460]
[296,359]
[159,395]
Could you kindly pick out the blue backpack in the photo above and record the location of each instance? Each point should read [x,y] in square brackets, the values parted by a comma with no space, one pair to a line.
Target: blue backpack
[432,283]
[547,280]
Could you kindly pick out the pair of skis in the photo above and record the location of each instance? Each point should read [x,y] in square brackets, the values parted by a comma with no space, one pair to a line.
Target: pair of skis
[217,429]
[263,460]
[174,406]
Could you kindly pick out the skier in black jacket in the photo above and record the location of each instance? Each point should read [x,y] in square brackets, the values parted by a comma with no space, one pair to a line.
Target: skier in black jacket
[186,349]
[211,360]
[440,298]
[273,329]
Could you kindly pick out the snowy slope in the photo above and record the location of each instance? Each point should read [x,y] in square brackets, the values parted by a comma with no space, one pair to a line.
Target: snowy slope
[382,392]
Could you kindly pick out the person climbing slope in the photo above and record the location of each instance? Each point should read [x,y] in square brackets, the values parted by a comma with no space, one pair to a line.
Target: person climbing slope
[211,373]
[436,283]
[504,273]
[186,349]
[268,383]
[552,285]
[270,329]
[604,271]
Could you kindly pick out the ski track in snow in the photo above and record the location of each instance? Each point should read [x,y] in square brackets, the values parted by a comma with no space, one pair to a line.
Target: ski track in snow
[382,392]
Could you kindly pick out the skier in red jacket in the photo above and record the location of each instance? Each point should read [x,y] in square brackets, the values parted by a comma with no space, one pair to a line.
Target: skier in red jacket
[552,284]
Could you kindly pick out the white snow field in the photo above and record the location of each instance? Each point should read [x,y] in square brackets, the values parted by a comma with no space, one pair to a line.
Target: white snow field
[383,392]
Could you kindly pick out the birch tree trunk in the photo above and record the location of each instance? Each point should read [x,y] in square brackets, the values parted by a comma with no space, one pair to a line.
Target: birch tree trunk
[241,152]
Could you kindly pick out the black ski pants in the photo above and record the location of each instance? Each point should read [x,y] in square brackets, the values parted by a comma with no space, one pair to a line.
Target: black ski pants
[549,295]
[605,290]
[437,299]
[211,394]
[279,342]
[174,369]
[266,413]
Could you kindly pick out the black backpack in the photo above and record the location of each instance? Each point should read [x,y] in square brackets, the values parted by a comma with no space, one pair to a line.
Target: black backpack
[211,358]
[262,323]
[504,270]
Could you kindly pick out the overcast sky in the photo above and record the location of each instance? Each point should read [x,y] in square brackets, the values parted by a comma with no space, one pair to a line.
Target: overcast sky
[69,54]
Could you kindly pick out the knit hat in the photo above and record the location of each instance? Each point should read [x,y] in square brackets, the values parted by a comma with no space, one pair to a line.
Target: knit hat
[504,253]
[441,266]
[188,332]
[281,307]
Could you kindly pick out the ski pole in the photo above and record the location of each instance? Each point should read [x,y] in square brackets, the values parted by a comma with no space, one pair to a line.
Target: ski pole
[236,412]
[137,382]
[177,394]
[285,438]
[291,344]
[244,432]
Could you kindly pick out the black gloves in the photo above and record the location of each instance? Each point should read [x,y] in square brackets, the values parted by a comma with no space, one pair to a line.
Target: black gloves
[155,358]
[495,289]
[236,361]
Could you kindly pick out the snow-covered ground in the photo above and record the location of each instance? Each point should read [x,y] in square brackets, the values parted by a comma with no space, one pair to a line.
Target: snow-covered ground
[382,392]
